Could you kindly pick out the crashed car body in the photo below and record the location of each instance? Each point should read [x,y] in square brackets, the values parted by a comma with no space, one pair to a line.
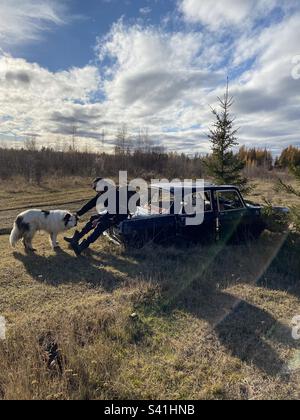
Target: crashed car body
[226,215]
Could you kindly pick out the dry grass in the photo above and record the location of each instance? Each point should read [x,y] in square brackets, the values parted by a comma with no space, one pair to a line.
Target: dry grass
[17,195]
[211,322]
[266,189]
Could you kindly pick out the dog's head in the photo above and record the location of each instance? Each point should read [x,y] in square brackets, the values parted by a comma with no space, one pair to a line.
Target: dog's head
[70,220]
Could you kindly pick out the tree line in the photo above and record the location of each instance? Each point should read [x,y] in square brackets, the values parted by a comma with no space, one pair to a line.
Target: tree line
[34,165]
[263,158]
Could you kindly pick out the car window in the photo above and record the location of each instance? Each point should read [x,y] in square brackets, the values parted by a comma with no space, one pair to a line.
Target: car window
[206,196]
[161,202]
[229,200]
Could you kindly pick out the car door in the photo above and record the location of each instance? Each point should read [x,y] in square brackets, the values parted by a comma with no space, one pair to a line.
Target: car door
[231,212]
[206,231]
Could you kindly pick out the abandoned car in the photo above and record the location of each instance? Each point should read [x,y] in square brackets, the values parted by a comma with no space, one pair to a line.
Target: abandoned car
[226,214]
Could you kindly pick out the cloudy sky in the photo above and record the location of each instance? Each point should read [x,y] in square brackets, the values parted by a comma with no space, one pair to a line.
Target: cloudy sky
[155,64]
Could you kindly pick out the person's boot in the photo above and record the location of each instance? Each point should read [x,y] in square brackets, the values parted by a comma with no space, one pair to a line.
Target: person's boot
[75,238]
[79,248]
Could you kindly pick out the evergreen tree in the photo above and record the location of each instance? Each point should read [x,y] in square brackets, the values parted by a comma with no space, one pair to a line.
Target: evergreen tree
[223,165]
[290,189]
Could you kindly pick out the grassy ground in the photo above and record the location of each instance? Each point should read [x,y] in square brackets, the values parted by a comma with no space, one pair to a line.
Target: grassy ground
[211,322]
[16,195]
[266,189]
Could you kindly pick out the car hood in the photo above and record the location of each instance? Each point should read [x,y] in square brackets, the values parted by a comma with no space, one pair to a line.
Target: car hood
[279,209]
[276,209]
[253,206]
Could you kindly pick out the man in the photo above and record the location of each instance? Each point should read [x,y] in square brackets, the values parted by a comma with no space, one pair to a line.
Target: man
[101,222]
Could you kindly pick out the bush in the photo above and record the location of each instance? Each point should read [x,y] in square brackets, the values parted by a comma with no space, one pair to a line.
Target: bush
[275,219]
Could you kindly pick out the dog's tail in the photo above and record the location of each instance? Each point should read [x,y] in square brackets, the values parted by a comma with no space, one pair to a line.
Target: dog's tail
[16,235]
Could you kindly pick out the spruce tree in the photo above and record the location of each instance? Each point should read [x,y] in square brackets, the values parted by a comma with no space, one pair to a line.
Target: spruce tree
[294,215]
[223,165]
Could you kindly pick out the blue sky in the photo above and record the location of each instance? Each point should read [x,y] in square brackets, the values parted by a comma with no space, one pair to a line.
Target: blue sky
[72,44]
[154,65]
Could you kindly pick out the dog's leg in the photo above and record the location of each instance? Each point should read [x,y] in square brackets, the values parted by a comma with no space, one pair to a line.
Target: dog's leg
[24,242]
[53,240]
[30,243]
[27,241]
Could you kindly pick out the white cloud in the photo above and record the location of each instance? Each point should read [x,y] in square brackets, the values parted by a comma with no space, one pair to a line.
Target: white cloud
[32,97]
[145,10]
[154,75]
[155,80]
[216,13]
[25,20]
[268,97]
[166,81]
[223,13]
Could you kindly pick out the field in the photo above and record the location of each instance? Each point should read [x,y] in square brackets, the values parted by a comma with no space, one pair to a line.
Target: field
[205,322]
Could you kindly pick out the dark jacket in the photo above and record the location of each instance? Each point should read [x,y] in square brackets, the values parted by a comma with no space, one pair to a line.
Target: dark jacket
[88,206]
[93,203]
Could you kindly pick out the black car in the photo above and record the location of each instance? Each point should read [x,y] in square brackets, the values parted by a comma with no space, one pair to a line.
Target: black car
[226,216]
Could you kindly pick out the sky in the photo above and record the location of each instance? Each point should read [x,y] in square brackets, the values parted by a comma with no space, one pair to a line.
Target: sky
[156,65]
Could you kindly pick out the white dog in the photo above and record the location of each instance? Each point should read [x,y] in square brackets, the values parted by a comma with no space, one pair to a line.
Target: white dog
[31,221]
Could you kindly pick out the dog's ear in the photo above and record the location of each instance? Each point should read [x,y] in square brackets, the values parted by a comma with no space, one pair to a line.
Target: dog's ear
[67,218]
